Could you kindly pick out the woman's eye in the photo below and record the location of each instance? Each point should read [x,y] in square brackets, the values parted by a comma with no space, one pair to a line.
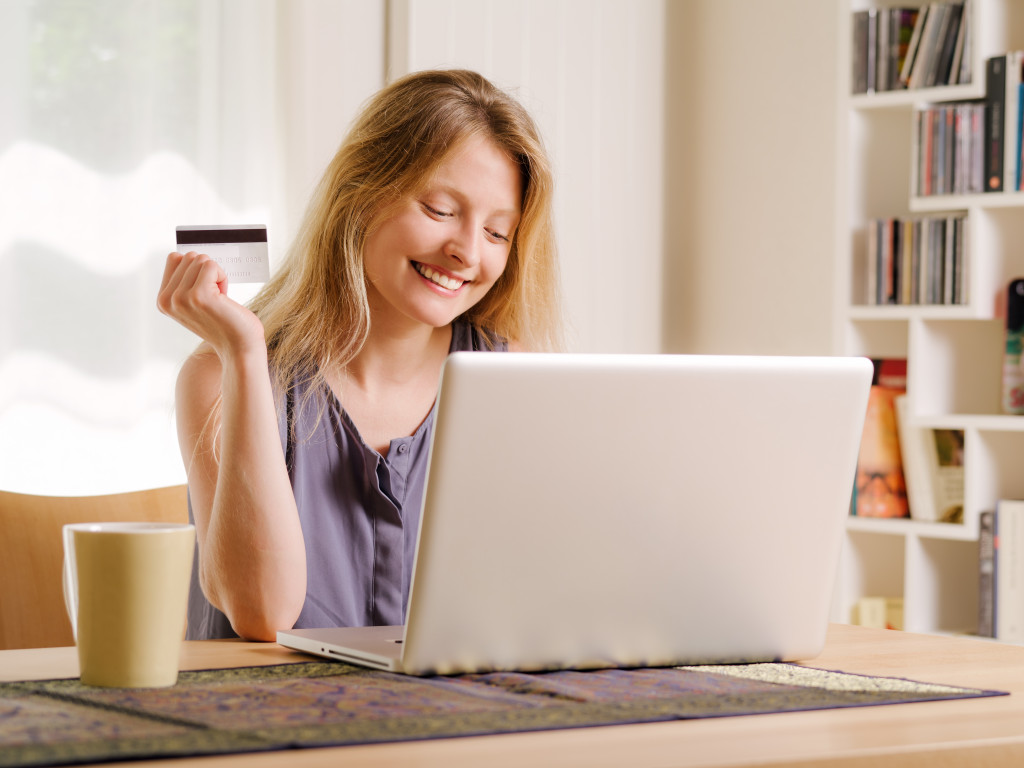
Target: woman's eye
[436,211]
[498,235]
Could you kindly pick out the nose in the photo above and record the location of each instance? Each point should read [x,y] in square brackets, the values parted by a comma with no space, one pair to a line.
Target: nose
[465,244]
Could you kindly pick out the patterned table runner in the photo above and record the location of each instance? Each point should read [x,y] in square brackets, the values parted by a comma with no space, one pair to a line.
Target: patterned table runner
[62,722]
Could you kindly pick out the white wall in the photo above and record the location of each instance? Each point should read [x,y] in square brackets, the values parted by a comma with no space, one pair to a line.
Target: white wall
[332,58]
[750,176]
[591,73]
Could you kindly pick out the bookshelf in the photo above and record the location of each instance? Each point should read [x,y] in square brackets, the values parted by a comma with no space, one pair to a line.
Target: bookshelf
[953,352]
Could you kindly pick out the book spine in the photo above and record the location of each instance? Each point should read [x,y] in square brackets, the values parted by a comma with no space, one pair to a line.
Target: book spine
[937,44]
[925,50]
[913,48]
[882,51]
[995,98]
[888,270]
[1009,570]
[1019,136]
[929,152]
[907,266]
[949,113]
[1012,128]
[958,50]
[860,52]
[966,72]
[963,256]
[978,148]
[986,574]
[949,268]
[871,51]
[947,45]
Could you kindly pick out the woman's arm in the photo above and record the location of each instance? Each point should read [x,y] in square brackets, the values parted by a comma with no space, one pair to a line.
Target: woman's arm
[252,556]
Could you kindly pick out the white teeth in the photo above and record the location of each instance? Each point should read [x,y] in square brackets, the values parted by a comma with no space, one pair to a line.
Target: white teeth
[436,277]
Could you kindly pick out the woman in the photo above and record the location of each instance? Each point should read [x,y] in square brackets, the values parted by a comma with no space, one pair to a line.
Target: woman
[304,422]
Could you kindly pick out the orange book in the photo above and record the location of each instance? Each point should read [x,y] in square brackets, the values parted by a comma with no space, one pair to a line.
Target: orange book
[881,490]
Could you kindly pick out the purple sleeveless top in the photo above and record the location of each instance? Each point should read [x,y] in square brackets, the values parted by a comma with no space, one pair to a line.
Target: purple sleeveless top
[360,513]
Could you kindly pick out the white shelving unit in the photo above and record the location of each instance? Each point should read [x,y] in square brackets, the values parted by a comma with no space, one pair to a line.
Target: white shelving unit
[954,353]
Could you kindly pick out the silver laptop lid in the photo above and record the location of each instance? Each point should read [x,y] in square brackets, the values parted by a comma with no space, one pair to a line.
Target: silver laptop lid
[631,510]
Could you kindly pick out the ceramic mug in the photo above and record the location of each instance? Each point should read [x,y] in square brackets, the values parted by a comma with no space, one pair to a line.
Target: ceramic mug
[126,591]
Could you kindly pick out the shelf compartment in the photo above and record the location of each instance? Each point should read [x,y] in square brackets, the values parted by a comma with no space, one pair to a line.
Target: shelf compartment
[942,574]
[872,565]
[954,366]
[995,469]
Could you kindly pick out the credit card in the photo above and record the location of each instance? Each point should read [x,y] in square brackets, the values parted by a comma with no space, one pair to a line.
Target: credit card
[240,249]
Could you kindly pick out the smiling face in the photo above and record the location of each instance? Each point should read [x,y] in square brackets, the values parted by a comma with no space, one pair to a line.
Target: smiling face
[443,247]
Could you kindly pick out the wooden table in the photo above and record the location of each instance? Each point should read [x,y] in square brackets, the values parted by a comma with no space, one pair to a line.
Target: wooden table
[971,732]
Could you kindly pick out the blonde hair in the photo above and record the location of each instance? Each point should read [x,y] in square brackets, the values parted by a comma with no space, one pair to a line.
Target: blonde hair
[315,310]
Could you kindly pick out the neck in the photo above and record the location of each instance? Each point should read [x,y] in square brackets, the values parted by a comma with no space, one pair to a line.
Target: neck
[393,356]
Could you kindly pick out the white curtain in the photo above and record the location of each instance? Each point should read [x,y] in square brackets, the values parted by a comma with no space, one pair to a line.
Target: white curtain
[120,120]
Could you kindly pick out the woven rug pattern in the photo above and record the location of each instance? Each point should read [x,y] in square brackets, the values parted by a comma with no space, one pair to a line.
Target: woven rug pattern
[62,722]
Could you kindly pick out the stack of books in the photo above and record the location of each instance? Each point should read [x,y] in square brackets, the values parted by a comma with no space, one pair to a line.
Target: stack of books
[1001,576]
[911,47]
[917,261]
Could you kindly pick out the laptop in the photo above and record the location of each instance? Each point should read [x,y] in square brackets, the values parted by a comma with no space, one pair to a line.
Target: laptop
[589,511]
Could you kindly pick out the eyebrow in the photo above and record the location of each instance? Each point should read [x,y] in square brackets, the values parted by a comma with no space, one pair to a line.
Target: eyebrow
[454,192]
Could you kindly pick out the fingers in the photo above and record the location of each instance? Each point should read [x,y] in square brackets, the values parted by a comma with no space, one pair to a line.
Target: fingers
[187,278]
[194,293]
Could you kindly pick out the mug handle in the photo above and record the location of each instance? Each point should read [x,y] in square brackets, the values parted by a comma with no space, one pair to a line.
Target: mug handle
[70,587]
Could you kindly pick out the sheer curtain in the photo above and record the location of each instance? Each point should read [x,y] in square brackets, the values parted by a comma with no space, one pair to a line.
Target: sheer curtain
[121,120]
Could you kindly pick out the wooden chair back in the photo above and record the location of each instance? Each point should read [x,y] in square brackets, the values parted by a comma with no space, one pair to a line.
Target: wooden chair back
[32,612]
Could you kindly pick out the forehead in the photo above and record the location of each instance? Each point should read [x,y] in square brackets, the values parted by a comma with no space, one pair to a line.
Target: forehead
[478,169]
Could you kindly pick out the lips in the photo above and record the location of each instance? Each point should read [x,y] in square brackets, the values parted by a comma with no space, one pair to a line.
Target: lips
[449,283]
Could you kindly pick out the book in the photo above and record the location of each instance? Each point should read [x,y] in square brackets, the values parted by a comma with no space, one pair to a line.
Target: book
[946,161]
[880,487]
[926,141]
[879,612]
[978,149]
[859,82]
[903,25]
[966,60]
[1009,570]
[933,469]
[916,260]
[882,39]
[1019,136]
[882,52]
[907,284]
[913,46]
[995,102]
[1014,60]
[953,76]
[986,573]
[872,263]
[948,474]
[932,37]
[947,44]
[871,51]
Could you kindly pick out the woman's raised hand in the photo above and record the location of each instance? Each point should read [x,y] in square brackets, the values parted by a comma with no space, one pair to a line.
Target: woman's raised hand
[194,292]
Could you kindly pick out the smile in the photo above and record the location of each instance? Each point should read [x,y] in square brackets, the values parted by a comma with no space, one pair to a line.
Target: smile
[437,278]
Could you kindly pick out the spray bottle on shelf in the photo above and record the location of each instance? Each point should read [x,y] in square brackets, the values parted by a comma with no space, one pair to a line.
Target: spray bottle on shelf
[1013,361]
